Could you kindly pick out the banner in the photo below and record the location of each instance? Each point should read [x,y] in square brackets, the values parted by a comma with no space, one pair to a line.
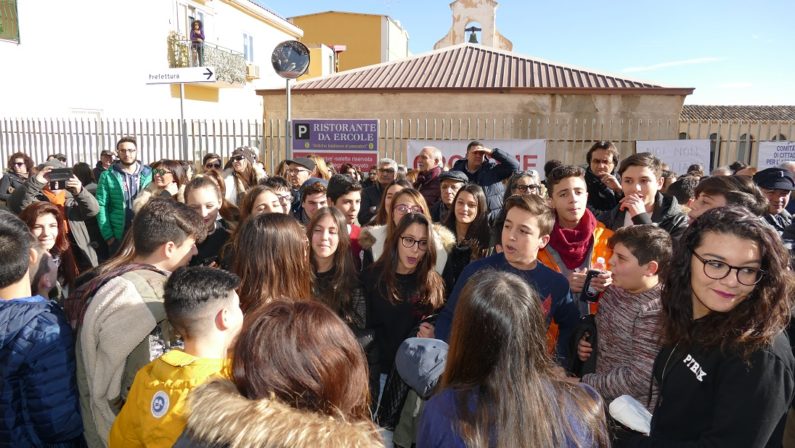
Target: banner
[338,141]
[531,154]
[773,154]
[678,154]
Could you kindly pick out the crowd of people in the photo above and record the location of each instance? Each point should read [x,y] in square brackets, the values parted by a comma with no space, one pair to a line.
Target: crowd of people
[208,303]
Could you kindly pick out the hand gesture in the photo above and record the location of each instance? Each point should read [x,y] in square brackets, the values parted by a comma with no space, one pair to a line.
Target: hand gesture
[74,185]
[43,176]
[584,349]
[577,280]
[611,182]
[632,204]
[426,330]
[602,281]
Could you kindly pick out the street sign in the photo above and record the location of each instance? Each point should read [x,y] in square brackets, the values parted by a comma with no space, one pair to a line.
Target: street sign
[181,75]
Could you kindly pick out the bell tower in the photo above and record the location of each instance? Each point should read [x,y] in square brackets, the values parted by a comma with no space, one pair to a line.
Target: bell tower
[474,21]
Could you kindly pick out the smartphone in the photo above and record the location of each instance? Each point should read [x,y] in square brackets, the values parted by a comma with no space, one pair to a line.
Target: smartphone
[59,177]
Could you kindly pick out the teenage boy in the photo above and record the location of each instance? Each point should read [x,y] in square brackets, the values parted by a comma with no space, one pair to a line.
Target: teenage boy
[449,184]
[643,202]
[719,191]
[628,325]
[123,326]
[39,403]
[577,239]
[282,189]
[313,198]
[528,222]
[202,306]
[345,194]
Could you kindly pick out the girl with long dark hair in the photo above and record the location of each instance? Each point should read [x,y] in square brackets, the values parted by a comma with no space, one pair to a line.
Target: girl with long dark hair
[48,225]
[725,373]
[500,386]
[271,260]
[469,223]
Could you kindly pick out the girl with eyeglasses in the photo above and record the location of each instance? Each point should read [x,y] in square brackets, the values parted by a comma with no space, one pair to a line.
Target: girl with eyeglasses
[405,201]
[403,293]
[725,373]
[168,180]
[469,222]
[17,172]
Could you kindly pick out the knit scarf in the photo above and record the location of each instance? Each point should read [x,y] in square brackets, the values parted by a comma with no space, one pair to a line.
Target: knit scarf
[572,244]
[427,176]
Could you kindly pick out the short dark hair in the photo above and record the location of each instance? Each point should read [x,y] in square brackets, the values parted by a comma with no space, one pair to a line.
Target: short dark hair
[562,172]
[604,144]
[642,159]
[276,183]
[646,242]
[551,165]
[737,190]
[737,166]
[537,207]
[15,244]
[127,139]
[190,291]
[473,144]
[83,172]
[313,188]
[684,189]
[163,220]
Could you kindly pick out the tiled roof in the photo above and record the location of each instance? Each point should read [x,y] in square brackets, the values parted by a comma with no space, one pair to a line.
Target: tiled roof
[475,67]
[750,113]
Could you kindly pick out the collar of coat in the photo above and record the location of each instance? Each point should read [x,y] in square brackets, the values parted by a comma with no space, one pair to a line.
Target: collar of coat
[220,415]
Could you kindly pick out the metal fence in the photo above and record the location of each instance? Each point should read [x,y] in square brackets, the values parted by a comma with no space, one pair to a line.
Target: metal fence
[81,139]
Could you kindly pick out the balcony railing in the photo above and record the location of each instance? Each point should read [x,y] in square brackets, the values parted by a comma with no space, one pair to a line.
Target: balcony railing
[230,65]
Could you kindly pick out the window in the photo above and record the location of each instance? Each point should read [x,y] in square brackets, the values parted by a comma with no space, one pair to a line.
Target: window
[779,138]
[744,146]
[9,21]
[683,136]
[186,14]
[248,48]
[714,146]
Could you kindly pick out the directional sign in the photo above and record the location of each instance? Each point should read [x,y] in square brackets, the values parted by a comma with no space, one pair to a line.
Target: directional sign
[181,75]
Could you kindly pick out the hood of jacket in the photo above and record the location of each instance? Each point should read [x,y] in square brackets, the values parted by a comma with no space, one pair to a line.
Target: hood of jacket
[221,416]
[17,314]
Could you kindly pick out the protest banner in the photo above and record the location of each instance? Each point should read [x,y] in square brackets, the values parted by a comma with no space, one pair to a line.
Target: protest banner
[531,154]
[773,154]
[678,154]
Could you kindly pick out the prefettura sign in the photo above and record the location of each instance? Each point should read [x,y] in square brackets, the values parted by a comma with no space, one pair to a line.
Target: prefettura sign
[337,141]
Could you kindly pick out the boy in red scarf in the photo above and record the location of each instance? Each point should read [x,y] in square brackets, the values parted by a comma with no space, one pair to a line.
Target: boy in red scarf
[577,238]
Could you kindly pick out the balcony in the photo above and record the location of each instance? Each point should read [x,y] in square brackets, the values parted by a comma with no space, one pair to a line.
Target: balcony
[230,65]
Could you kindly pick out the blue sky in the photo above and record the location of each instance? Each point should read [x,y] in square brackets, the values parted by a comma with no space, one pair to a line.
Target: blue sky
[732,52]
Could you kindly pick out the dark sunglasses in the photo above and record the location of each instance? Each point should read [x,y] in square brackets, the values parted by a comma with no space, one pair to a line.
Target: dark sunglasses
[210,166]
[237,158]
[161,172]
[19,163]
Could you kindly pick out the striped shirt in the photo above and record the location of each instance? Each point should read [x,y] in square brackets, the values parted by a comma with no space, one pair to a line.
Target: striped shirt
[629,337]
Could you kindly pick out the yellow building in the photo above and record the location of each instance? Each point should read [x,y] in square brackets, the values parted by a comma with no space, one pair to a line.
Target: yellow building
[367,39]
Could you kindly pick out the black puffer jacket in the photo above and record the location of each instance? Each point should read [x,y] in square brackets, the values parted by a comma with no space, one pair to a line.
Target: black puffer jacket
[600,197]
[667,215]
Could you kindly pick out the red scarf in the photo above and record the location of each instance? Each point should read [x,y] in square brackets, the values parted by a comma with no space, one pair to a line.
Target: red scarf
[573,244]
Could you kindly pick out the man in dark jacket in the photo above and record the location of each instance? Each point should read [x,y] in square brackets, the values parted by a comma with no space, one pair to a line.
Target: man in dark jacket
[777,184]
[106,158]
[429,163]
[450,183]
[38,400]
[371,196]
[487,173]
[641,180]
[604,189]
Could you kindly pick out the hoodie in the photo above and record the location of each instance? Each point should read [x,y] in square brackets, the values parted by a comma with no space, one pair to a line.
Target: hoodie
[39,403]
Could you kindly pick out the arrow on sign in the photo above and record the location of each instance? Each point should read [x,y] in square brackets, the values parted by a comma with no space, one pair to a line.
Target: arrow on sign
[208,73]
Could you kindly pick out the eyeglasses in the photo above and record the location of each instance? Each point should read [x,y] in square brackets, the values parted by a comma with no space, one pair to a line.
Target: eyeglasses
[285,198]
[717,270]
[161,172]
[403,208]
[297,170]
[386,170]
[409,242]
[127,150]
[19,163]
[210,166]
[526,188]
[237,158]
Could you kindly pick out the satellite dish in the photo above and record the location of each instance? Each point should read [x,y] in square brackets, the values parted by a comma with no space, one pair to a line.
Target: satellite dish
[290,59]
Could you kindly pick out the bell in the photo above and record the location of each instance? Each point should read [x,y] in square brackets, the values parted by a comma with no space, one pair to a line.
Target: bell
[473,39]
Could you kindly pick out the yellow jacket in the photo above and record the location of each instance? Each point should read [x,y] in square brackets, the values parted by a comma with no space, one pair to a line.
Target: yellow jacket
[154,414]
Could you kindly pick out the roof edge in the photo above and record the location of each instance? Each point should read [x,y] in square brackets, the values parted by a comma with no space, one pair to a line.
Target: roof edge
[501,90]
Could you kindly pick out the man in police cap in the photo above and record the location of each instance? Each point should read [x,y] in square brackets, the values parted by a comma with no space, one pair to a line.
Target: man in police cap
[449,184]
[776,184]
